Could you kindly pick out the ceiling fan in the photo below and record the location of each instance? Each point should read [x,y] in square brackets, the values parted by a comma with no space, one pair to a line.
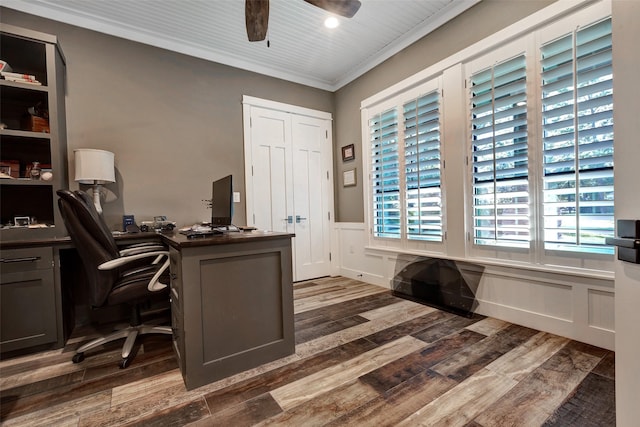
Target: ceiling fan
[256,13]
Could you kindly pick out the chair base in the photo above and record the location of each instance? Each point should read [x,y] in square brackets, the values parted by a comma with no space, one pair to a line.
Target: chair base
[130,333]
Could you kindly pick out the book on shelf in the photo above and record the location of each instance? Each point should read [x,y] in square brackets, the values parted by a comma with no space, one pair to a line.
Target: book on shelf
[21,78]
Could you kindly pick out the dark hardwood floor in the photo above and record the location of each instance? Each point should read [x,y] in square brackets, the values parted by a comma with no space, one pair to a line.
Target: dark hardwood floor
[363,358]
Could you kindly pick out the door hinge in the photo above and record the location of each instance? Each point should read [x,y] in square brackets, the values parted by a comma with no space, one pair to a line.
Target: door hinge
[329,256]
[445,235]
[444,164]
[326,134]
[250,122]
[442,94]
[251,170]
[254,218]
[327,175]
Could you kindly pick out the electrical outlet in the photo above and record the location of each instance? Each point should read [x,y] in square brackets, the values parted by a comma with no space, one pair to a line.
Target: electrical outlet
[236,197]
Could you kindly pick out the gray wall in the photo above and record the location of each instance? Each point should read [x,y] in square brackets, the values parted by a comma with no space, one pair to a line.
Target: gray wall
[478,22]
[174,122]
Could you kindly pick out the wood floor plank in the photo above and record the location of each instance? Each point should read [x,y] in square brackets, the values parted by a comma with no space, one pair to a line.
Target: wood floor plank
[409,327]
[521,361]
[391,309]
[260,384]
[344,309]
[66,413]
[359,331]
[310,387]
[177,416]
[444,328]
[319,330]
[607,366]
[488,326]
[535,398]
[404,368]
[248,413]
[462,403]
[399,402]
[472,359]
[311,303]
[591,405]
[326,407]
[73,391]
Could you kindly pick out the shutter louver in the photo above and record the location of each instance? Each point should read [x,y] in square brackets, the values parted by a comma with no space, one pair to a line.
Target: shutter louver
[385,174]
[577,124]
[500,155]
[422,168]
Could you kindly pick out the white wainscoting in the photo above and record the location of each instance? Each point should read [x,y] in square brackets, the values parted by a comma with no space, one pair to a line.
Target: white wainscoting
[573,306]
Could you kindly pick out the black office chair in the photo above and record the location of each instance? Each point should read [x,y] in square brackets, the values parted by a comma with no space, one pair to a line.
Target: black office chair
[130,276]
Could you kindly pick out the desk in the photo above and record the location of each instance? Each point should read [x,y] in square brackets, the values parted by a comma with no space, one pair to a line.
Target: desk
[231,302]
[37,308]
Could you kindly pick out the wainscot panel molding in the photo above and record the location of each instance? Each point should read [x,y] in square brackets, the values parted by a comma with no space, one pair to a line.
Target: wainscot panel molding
[566,304]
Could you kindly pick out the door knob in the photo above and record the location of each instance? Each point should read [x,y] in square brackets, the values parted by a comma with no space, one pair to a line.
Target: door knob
[298,219]
[289,219]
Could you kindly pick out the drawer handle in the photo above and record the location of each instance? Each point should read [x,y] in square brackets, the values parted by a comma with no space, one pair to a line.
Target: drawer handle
[25,259]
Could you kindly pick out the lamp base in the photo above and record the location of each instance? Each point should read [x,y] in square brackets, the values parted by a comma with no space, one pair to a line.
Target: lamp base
[97,189]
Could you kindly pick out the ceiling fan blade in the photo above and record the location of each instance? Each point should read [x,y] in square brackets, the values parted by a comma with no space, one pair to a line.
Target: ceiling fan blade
[346,8]
[256,15]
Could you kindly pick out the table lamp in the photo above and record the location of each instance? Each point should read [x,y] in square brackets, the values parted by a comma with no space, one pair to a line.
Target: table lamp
[94,167]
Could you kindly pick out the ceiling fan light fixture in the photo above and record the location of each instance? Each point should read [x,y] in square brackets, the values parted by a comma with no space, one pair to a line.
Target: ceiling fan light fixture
[331,22]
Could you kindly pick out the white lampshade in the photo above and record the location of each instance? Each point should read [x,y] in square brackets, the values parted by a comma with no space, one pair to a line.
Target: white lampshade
[94,166]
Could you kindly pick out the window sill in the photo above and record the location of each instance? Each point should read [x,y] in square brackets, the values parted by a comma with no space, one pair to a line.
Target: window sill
[568,271]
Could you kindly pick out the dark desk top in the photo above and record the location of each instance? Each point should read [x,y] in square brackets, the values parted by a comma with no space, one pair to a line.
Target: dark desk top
[61,242]
[175,239]
[178,240]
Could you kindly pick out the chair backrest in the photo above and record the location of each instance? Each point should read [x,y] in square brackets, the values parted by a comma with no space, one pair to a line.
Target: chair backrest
[93,240]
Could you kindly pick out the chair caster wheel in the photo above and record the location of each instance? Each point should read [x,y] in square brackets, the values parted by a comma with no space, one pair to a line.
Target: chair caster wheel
[78,357]
[124,363]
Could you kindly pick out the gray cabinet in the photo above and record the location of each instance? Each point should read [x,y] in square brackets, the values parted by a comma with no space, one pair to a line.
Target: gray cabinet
[231,303]
[28,299]
[32,129]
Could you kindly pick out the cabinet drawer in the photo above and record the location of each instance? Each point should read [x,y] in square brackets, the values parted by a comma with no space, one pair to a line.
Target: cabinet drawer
[28,259]
[28,309]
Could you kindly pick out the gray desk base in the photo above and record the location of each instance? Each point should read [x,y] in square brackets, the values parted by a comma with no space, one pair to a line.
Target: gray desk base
[232,303]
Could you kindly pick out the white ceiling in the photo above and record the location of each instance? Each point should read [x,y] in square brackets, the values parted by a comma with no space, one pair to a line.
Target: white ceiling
[301,49]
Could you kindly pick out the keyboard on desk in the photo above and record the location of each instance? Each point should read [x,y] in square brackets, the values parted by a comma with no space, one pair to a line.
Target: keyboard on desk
[200,232]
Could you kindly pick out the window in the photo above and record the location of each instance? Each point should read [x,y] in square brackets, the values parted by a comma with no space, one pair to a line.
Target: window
[422,168]
[405,155]
[523,121]
[385,174]
[577,125]
[500,154]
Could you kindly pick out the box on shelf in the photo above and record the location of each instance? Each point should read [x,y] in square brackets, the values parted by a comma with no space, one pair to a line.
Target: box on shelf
[35,124]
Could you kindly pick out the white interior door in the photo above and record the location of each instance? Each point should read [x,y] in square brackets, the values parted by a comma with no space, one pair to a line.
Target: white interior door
[310,181]
[271,177]
[288,159]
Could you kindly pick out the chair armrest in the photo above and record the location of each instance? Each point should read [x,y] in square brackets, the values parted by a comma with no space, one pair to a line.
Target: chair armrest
[119,262]
[141,248]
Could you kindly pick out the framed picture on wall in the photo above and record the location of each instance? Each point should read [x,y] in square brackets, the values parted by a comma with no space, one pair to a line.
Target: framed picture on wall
[348,153]
[349,178]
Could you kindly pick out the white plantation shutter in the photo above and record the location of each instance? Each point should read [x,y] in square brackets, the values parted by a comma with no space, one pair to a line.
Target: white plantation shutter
[577,124]
[500,155]
[423,198]
[385,174]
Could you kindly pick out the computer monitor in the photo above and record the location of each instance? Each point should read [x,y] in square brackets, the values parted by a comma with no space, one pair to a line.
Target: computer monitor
[222,202]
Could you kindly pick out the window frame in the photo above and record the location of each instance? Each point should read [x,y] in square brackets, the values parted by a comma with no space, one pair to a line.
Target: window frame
[403,242]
